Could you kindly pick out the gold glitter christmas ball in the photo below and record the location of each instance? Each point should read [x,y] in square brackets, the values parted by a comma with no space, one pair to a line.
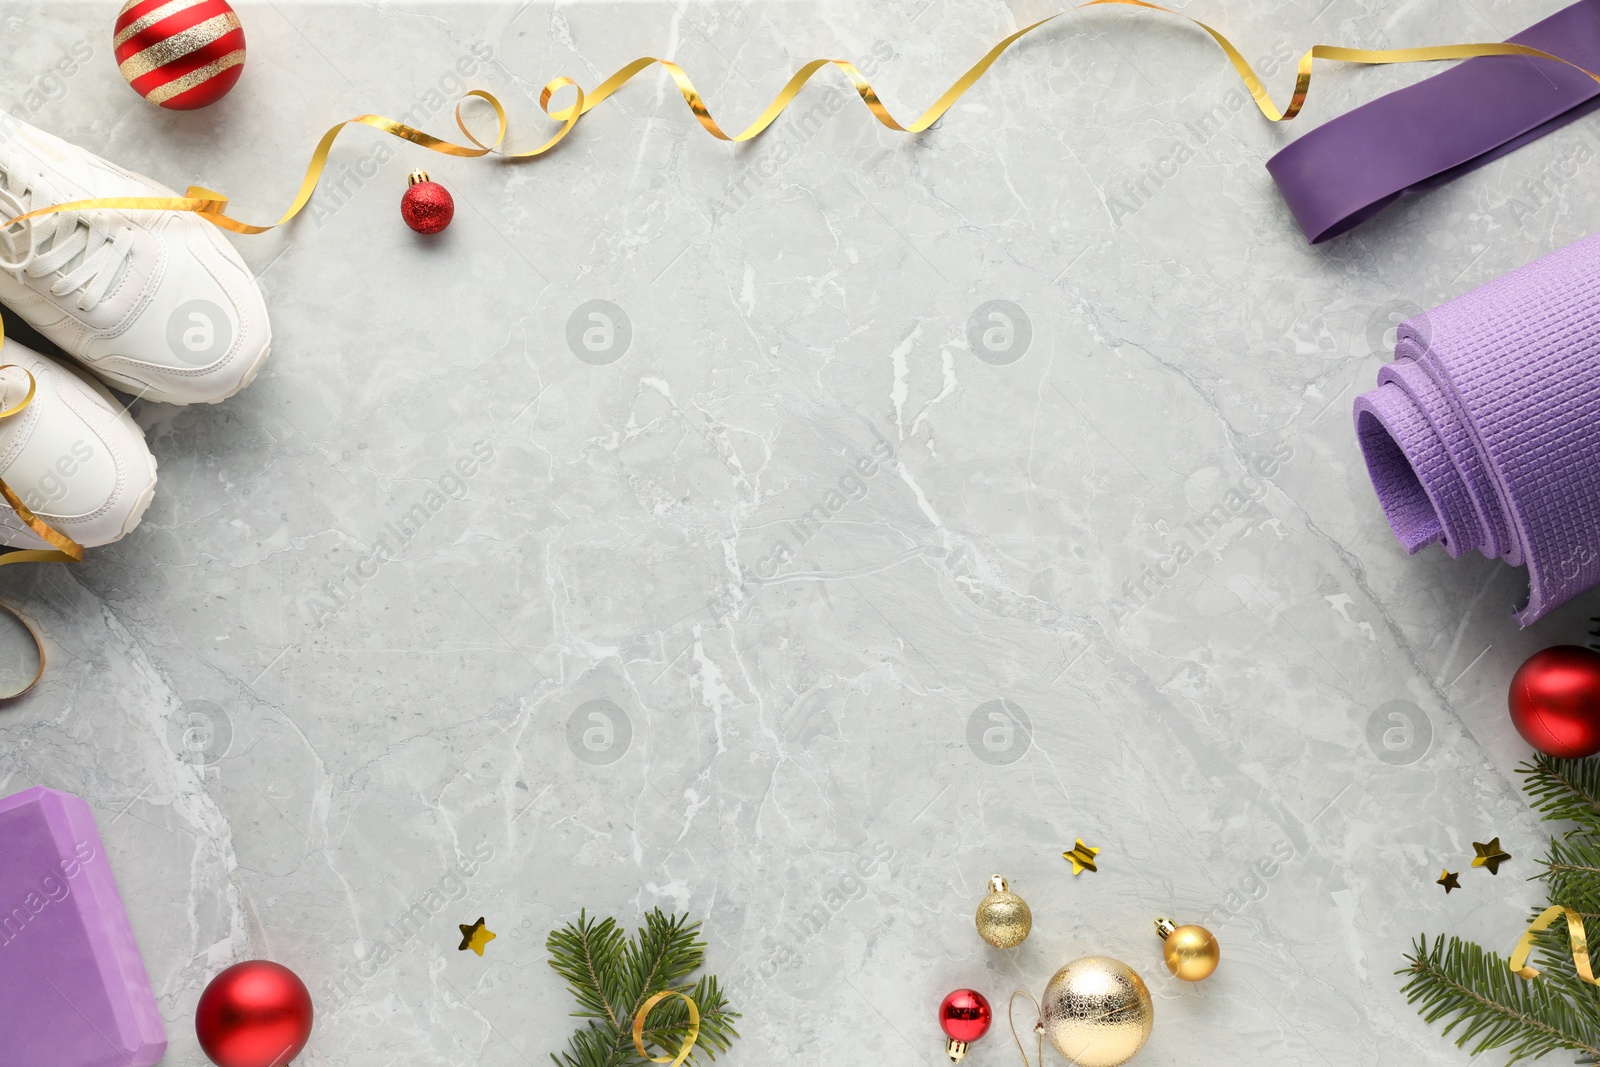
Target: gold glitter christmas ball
[1191,952]
[1003,918]
[1097,1012]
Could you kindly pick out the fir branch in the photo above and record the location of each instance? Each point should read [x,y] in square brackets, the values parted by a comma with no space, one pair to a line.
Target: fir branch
[1553,958]
[611,976]
[1564,790]
[1473,989]
[1572,870]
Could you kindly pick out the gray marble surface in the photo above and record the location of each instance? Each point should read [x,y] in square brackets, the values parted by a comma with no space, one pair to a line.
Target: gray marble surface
[615,666]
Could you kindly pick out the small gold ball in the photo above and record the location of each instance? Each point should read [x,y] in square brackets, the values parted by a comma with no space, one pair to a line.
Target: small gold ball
[1191,952]
[1004,919]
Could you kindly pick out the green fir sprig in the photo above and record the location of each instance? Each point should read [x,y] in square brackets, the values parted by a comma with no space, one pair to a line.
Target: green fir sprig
[1474,992]
[612,975]
[1564,790]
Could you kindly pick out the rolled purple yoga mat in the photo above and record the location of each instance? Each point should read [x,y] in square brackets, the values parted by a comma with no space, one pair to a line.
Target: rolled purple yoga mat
[1351,167]
[1484,433]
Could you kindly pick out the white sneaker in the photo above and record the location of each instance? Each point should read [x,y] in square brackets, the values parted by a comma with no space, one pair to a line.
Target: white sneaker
[73,455]
[157,303]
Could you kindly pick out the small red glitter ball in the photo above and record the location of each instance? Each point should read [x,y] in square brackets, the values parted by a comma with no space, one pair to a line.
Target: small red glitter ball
[965,1015]
[427,206]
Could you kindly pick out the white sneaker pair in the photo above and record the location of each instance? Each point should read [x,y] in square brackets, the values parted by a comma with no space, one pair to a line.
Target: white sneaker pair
[157,304]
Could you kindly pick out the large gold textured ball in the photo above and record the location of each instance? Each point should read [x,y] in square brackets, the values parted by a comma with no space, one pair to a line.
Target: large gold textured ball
[1097,1012]
[1191,952]
[1004,919]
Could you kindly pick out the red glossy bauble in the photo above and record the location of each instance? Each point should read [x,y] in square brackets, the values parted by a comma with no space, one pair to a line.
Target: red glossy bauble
[1555,701]
[965,1015]
[255,1014]
[427,206]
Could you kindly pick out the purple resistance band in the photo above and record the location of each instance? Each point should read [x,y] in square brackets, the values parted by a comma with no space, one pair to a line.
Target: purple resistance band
[1352,167]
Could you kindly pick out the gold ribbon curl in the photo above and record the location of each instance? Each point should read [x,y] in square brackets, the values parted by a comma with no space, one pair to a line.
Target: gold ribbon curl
[688,1041]
[64,550]
[212,206]
[1580,944]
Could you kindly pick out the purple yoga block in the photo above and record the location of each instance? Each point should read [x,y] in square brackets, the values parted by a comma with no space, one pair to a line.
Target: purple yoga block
[73,989]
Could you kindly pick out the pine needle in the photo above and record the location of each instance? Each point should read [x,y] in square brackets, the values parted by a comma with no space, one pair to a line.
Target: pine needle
[1472,990]
[1475,991]
[611,976]
[1564,790]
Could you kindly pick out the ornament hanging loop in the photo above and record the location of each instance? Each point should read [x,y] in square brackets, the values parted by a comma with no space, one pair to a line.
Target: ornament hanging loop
[1038,1026]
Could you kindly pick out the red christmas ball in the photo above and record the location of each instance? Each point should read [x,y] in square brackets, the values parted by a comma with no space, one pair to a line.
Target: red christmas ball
[179,54]
[1555,701]
[255,1014]
[965,1015]
[427,206]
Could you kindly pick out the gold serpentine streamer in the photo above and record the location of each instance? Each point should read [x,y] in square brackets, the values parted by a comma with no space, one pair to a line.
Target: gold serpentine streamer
[1580,944]
[212,206]
[689,1039]
[65,549]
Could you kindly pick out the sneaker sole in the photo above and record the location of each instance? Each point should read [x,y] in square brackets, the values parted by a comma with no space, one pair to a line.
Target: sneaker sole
[141,505]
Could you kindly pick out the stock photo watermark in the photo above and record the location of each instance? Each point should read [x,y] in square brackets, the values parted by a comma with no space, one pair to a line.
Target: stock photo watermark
[852,484]
[1210,530]
[599,332]
[52,84]
[1251,887]
[1399,733]
[341,182]
[791,134]
[397,534]
[1535,194]
[1383,325]
[999,732]
[53,888]
[420,917]
[199,332]
[999,332]
[599,732]
[200,734]
[788,941]
[1134,193]
[849,486]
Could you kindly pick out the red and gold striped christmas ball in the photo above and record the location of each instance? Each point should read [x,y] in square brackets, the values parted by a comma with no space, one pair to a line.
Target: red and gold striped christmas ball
[180,54]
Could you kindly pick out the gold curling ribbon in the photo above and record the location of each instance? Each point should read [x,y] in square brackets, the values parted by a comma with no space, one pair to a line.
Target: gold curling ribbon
[65,549]
[212,206]
[688,1042]
[1580,944]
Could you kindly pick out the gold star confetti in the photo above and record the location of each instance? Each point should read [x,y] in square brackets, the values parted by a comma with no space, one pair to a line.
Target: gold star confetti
[1449,881]
[1489,855]
[1082,857]
[475,936]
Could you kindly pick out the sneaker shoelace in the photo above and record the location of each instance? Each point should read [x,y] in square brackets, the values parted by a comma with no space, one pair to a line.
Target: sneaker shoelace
[86,254]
